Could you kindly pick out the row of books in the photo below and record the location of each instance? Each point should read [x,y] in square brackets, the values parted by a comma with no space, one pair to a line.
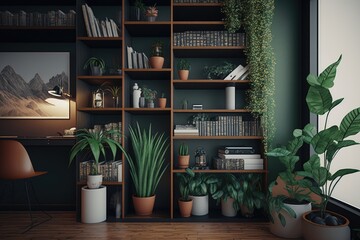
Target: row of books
[136,59]
[238,161]
[98,28]
[111,170]
[197,1]
[208,38]
[186,130]
[37,19]
[228,126]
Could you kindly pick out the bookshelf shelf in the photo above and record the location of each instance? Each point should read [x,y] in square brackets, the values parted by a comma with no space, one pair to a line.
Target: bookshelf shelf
[218,137]
[209,84]
[221,171]
[209,52]
[211,111]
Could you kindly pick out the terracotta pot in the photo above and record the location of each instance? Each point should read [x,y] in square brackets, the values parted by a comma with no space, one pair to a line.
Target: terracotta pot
[184,161]
[227,207]
[162,102]
[183,74]
[292,229]
[313,231]
[143,205]
[157,62]
[185,207]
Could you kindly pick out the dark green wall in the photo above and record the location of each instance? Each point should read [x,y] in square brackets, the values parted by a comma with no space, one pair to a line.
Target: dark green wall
[287,43]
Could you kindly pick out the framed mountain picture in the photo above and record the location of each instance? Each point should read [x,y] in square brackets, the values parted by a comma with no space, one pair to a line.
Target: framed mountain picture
[34,85]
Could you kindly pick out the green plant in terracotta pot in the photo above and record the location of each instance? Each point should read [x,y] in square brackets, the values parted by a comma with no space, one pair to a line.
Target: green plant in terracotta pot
[157,56]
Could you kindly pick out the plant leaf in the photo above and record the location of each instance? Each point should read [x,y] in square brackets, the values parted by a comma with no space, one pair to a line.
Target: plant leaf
[343,172]
[326,78]
[350,124]
[324,139]
[319,100]
[312,80]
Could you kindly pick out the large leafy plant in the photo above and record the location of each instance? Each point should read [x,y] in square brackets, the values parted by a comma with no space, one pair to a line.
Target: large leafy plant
[251,194]
[328,141]
[228,187]
[147,165]
[202,184]
[95,142]
[184,183]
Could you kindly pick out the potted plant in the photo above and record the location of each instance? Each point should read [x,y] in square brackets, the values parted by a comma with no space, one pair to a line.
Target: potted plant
[183,69]
[184,157]
[227,193]
[115,92]
[289,195]
[150,96]
[139,9]
[96,65]
[185,202]
[232,13]
[147,166]
[151,13]
[251,196]
[219,71]
[157,59]
[200,186]
[327,142]
[162,101]
[95,142]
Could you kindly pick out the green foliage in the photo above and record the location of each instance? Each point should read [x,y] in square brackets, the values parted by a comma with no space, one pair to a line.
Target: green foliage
[257,20]
[140,4]
[94,61]
[202,184]
[183,149]
[330,140]
[95,142]
[157,48]
[231,10]
[219,71]
[250,193]
[147,166]
[183,64]
[184,183]
[228,187]
[148,93]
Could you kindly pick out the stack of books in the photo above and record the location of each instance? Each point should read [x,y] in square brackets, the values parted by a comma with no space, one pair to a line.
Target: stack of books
[98,28]
[136,59]
[186,130]
[239,73]
[111,170]
[238,158]
[208,38]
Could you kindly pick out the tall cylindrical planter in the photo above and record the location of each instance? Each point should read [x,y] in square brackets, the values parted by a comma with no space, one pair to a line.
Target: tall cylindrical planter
[93,205]
[200,205]
[230,96]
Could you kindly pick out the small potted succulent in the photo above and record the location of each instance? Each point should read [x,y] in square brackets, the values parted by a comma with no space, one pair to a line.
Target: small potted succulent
[151,13]
[150,96]
[183,66]
[162,101]
[96,66]
[157,58]
[184,157]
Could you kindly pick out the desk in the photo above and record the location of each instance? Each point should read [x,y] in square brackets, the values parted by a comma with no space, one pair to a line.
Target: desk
[43,141]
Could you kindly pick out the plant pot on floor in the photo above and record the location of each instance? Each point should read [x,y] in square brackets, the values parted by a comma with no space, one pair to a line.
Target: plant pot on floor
[227,207]
[292,228]
[185,207]
[183,74]
[143,205]
[184,161]
[94,181]
[314,231]
[93,205]
[200,205]
[157,62]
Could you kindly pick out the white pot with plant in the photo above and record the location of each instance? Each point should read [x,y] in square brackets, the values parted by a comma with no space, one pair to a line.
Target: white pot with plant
[183,66]
[96,66]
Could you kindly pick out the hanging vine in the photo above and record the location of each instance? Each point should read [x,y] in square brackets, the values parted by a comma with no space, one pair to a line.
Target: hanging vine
[257,18]
[232,18]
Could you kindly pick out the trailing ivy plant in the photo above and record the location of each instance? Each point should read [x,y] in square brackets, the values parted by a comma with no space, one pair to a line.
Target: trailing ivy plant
[257,19]
[231,11]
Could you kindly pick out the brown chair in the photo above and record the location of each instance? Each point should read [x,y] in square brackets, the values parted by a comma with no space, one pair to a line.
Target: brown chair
[15,164]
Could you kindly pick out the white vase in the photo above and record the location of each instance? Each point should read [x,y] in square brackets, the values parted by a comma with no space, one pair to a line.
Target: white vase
[292,229]
[227,207]
[136,98]
[94,181]
[93,205]
[200,205]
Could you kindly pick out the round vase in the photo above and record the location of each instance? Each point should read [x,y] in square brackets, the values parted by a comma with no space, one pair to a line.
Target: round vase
[292,228]
[314,231]
[143,205]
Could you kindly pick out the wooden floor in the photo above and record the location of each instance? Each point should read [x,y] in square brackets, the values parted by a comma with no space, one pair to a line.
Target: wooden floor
[64,226]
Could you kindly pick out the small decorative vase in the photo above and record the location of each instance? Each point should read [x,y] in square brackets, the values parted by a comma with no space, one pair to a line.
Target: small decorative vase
[137,14]
[116,101]
[142,102]
[183,74]
[150,104]
[151,18]
[162,102]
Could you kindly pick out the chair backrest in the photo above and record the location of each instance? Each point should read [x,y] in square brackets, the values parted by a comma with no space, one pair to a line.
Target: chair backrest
[14,161]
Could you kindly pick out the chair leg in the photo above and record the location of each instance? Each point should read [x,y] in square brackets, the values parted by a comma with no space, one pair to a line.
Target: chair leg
[33,222]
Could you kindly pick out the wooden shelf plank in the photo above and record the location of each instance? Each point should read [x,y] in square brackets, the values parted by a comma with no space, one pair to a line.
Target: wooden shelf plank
[222,171]
[209,51]
[208,84]
[211,111]
[218,137]
[148,111]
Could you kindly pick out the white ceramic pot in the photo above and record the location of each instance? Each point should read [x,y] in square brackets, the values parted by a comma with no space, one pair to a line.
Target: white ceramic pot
[93,205]
[292,229]
[227,207]
[313,231]
[200,205]
[94,181]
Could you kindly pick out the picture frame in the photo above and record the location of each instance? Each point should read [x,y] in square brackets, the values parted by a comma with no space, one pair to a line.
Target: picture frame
[34,85]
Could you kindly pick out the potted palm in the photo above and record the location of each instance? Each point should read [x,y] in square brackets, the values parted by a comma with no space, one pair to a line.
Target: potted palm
[150,96]
[184,157]
[183,69]
[96,66]
[185,202]
[96,143]
[227,193]
[147,166]
[157,58]
[289,195]
[327,142]
[115,92]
